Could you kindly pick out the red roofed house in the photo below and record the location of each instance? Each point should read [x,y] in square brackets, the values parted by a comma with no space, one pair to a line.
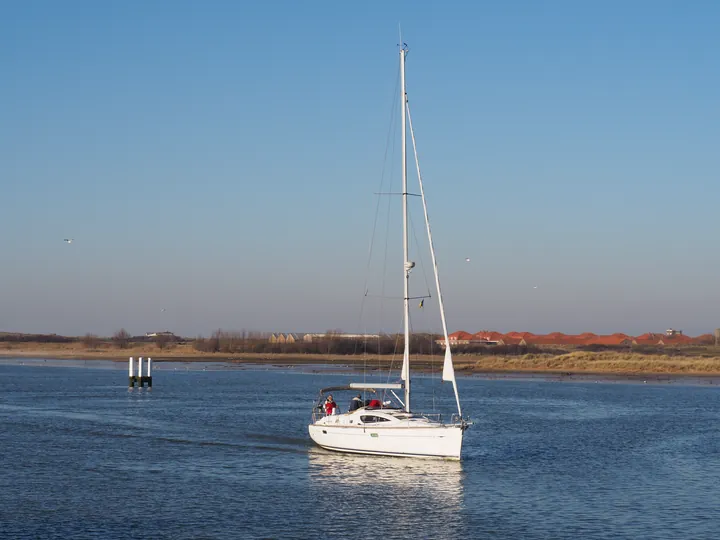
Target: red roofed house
[582,339]
[519,334]
[460,338]
[647,339]
[511,340]
[705,339]
[614,339]
[464,338]
[540,340]
[676,339]
[488,336]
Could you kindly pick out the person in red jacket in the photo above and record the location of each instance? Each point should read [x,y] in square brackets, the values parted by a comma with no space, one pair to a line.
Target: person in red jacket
[330,405]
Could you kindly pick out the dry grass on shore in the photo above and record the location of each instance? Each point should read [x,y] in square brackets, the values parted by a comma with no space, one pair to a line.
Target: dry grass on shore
[595,362]
[80,351]
[175,351]
[606,362]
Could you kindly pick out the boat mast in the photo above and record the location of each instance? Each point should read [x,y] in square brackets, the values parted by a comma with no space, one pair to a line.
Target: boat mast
[407,265]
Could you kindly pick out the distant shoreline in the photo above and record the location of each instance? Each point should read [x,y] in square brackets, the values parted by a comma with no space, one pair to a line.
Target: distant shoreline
[605,365]
[339,367]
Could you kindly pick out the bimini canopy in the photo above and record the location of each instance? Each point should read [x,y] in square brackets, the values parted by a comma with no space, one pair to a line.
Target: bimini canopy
[362,386]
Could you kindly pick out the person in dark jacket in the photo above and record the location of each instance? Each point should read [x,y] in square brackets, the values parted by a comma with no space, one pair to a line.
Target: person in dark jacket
[355,403]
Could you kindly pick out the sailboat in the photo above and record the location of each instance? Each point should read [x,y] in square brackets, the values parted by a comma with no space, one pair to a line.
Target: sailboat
[384,426]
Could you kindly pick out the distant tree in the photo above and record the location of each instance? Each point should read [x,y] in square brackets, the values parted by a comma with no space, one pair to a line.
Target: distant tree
[162,341]
[213,344]
[121,339]
[200,344]
[244,339]
[91,341]
[331,340]
[38,338]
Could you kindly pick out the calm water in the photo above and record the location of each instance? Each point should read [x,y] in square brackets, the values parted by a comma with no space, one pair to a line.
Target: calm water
[225,454]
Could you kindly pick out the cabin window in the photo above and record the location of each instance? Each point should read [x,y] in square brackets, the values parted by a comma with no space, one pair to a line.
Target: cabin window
[368,419]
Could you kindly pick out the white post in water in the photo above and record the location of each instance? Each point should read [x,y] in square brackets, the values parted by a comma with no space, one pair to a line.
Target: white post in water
[148,379]
[139,379]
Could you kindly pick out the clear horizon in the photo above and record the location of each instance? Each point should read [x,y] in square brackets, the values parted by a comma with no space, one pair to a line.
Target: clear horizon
[215,165]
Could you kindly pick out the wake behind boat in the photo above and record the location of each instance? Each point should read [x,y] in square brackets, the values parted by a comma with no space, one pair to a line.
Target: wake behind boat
[386,425]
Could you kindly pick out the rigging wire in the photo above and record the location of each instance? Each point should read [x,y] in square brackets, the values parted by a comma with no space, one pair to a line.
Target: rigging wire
[430,336]
[435,268]
[433,385]
[392,129]
[381,306]
[390,148]
[394,355]
[419,254]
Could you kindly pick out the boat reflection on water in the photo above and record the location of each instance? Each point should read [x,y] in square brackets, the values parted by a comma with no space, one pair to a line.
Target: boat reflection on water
[394,493]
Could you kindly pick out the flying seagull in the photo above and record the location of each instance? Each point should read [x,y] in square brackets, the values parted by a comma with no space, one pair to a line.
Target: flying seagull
[467,259]
[68,240]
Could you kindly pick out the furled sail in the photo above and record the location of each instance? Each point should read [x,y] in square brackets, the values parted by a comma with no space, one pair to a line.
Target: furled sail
[448,369]
[405,373]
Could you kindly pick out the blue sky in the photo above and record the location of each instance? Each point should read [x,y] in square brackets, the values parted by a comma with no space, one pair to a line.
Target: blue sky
[219,160]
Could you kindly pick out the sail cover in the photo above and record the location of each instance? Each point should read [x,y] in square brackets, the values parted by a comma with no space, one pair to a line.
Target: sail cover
[448,370]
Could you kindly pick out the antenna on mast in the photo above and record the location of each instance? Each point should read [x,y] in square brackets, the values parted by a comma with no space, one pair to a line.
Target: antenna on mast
[403,46]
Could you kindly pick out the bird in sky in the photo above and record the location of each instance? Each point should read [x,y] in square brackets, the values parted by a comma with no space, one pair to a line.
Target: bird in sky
[68,240]
[467,259]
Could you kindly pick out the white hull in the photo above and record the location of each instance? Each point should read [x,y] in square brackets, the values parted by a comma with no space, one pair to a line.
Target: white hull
[435,441]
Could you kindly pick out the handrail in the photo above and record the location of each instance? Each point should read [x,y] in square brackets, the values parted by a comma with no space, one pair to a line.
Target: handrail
[318,412]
